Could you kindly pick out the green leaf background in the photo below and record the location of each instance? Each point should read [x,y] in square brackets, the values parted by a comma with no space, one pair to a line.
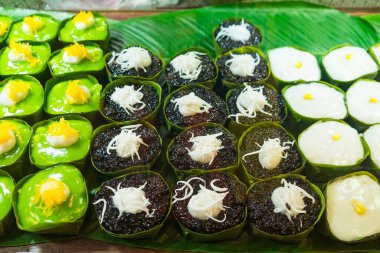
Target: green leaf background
[312,27]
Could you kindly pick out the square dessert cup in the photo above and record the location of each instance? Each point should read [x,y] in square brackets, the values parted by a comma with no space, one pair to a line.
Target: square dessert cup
[57,105]
[42,155]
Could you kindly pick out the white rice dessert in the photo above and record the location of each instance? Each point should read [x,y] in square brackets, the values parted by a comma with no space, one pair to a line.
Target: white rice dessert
[348,63]
[375,52]
[331,143]
[372,138]
[316,100]
[353,207]
[290,65]
[363,101]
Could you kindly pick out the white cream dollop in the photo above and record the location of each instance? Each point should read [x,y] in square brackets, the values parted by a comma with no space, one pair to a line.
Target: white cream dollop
[348,63]
[290,64]
[132,58]
[235,32]
[346,221]
[316,100]
[188,65]
[126,143]
[243,64]
[191,104]
[363,101]
[289,199]
[331,143]
[127,97]
[372,138]
[250,101]
[205,148]
[271,153]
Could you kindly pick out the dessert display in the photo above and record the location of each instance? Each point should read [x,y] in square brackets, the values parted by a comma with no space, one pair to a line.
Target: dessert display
[5,25]
[7,185]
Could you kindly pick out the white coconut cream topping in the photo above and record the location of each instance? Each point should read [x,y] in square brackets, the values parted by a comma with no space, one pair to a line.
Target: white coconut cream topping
[290,64]
[132,58]
[205,148]
[250,101]
[127,97]
[348,63]
[188,65]
[316,100]
[271,153]
[239,32]
[363,101]
[352,207]
[243,64]
[372,138]
[289,199]
[191,104]
[127,143]
[128,200]
[207,203]
[331,143]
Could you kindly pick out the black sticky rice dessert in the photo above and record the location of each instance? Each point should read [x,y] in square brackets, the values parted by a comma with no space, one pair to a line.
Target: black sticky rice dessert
[194,104]
[267,150]
[132,204]
[250,104]
[189,67]
[281,208]
[128,99]
[234,33]
[134,61]
[193,210]
[205,147]
[117,148]
[243,65]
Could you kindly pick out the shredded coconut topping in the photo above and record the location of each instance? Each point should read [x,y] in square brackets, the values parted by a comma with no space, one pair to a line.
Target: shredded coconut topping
[127,143]
[243,64]
[191,104]
[132,58]
[207,203]
[127,97]
[205,148]
[188,65]
[288,199]
[271,153]
[250,101]
[235,32]
[128,200]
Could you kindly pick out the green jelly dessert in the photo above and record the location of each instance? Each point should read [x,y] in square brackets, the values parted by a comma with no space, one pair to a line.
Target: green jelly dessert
[85,26]
[52,201]
[37,27]
[60,140]
[24,58]
[77,95]
[6,190]
[77,58]
[22,97]
[5,25]
[14,139]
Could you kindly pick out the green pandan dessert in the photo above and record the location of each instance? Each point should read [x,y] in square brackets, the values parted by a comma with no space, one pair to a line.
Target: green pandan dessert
[52,201]
[85,26]
[76,95]
[37,27]
[5,25]
[60,140]
[6,190]
[24,58]
[21,97]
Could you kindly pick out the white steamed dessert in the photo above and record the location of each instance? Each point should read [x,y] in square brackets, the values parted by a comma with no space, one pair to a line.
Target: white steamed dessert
[348,63]
[353,207]
[290,64]
[372,138]
[363,101]
[316,100]
[375,52]
[331,143]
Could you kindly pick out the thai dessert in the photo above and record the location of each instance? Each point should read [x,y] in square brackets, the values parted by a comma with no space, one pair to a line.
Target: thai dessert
[6,190]
[5,25]
[134,205]
[372,138]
